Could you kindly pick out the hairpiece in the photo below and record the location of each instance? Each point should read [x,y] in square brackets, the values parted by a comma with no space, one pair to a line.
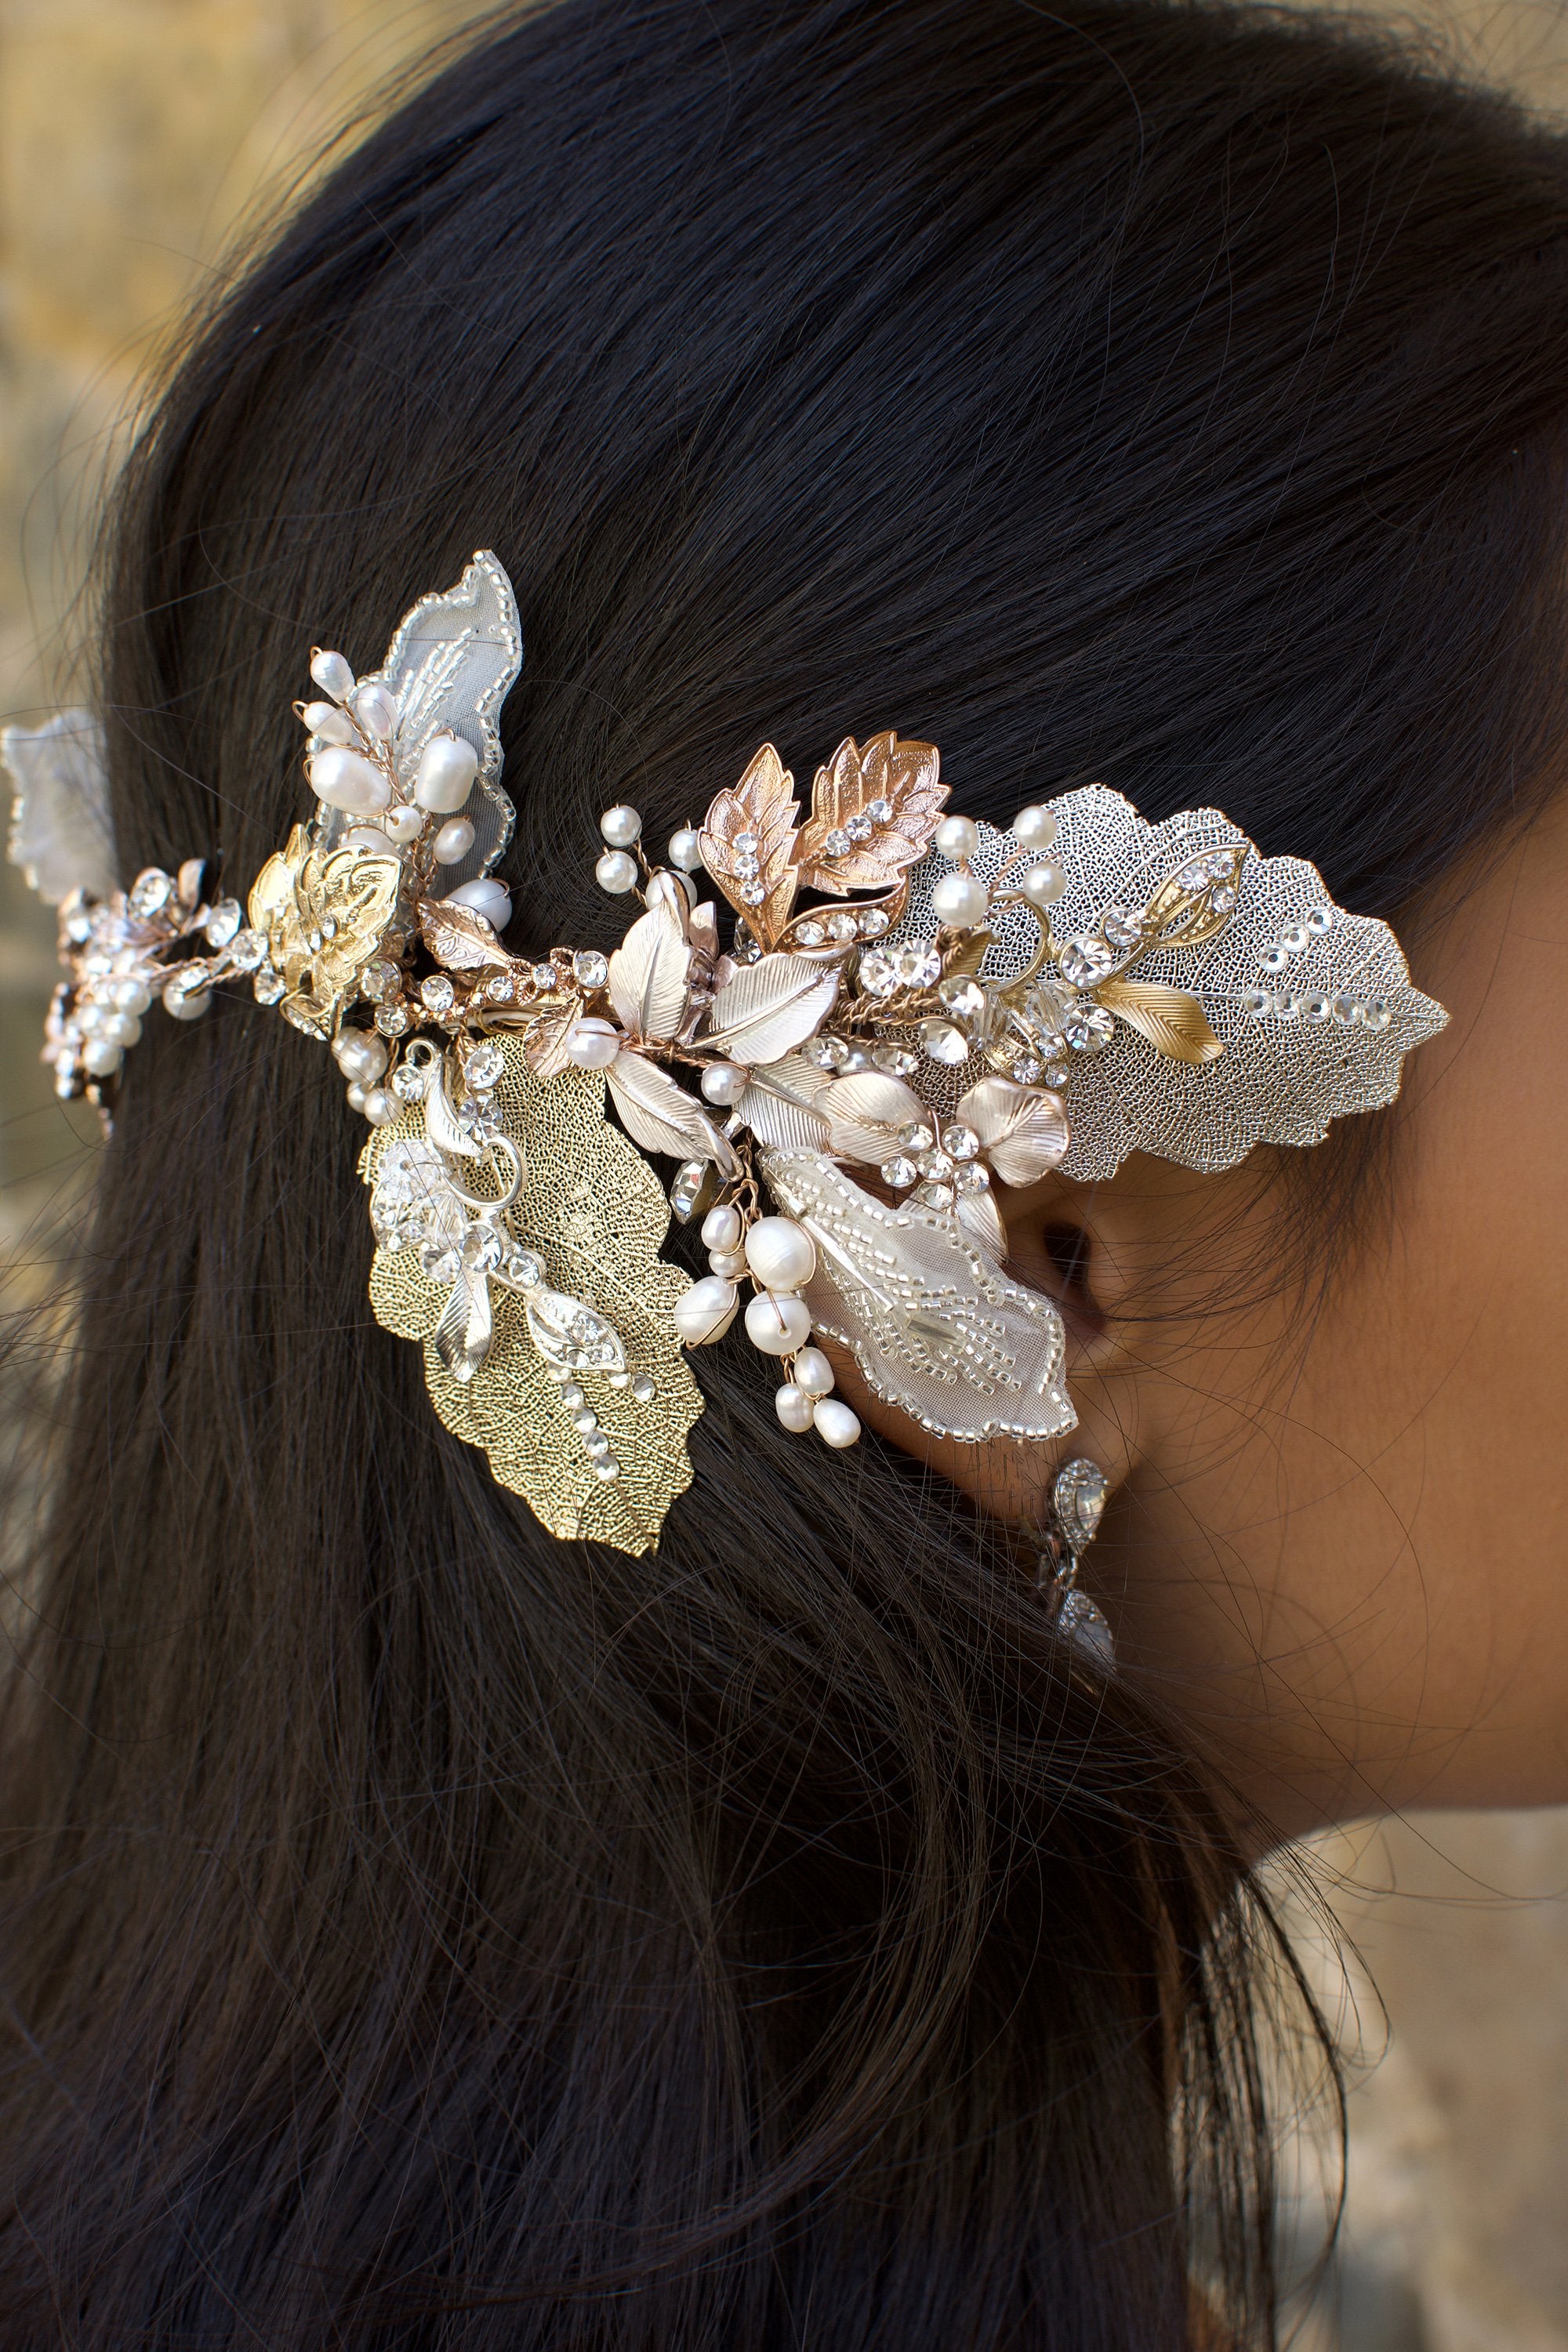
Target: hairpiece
[913,1012]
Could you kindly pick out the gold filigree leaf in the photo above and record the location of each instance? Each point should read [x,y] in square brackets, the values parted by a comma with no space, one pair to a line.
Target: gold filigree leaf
[760,881]
[902,778]
[1023,1131]
[662,1116]
[1173,1023]
[596,1212]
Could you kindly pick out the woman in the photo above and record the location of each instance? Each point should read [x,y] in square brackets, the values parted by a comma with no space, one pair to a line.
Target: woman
[424,1930]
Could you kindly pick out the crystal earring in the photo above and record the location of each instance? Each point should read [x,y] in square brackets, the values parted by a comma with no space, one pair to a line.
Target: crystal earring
[1079,1494]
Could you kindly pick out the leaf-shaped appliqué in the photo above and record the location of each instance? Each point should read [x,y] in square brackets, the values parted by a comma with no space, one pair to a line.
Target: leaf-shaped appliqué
[873,812]
[1023,1131]
[461,938]
[323,912]
[769,1007]
[571,1336]
[62,837]
[932,1322]
[596,1212]
[779,1105]
[749,844]
[648,971]
[1171,1019]
[662,1116]
[865,1112]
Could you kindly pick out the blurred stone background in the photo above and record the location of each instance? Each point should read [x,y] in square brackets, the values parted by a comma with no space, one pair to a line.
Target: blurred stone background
[135,137]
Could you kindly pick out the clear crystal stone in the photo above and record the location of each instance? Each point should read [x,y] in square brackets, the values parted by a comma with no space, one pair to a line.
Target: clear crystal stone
[1315,1006]
[589,968]
[1294,937]
[479,1120]
[484,1248]
[500,988]
[973,1176]
[437,993]
[246,950]
[1286,1005]
[408,1083]
[873,923]
[859,828]
[484,1067]
[900,1172]
[1085,1624]
[934,1163]
[960,1142]
[897,1060]
[1224,900]
[1345,1008]
[809,934]
[746,844]
[836,844]
[544,976]
[607,1468]
[1084,960]
[917,964]
[1057,1074]
[149,894]
[525,1269]
[1275,958]
[856,1060]
[644,1388]
[879,811]
[440,1260]
[752,894]
[378,981]
[1026,1069]
[1319,920]
[934,1196]
[965,998]
[747,864]
[876,975]
[942,1042]
[1123,927]
[1258,1002]
[268,985]
[842,926]
[1377,1015]
[1078,1497]
[392,1020]
[915,1137]
[1194,876]
[223,922]
[1088,1028]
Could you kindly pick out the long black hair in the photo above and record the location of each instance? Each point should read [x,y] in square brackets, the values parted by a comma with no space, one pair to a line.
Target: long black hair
[421,1933]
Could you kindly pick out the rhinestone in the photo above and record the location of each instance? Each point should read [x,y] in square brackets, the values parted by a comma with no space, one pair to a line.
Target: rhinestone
[1319,920]
[1086,1627]
[246,950]
[484,1248]
[1057,1075]
[1344,1008]
[942,1042]
[644,1389]
[1088,1029]
[836,844]
[879,811]
[500,988]
[897,1060]
[752,894]
[484,1067]
[378,979]
[690,1190]
[544,976]
[149,894]
[748,865]
[1286,1005]
[525,1269]
[595,1444]
[585,1420]
[859,828]
[1256,1002]
[915,1137]
[973,1176]
[1194,876]
[224,922]
[809,934]
[408,1083]
[1315,1006]
[917,964]
[1027,1070]
[873,923]
[440,1260]
[900,1172]
[571,1396]
[479,1120]
[964,997]
[1122,926]
[1077,1498]
[1294,937]
[876,973]
[1224,900]
[960,1142]
[934,1196]
[933,1163]
[1377,1015]
[1084,960]
[607,1468]
[842,926]
[437,992]
[745,845]
[1275,959]
[268,985]
[589,968]
[392,1020]
[856,1060]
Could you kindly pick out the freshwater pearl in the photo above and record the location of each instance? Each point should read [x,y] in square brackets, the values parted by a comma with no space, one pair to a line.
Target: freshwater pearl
[486,897]
[448,766]
[100,1057]
[360,1055]
[453,841]
[347,779]
[686,849]
[957,837]
[592,1043]
[1035,826]
[705,1312]
[960,900]
[835,1425]
[376,710]
[621,826]
[725,1082]
[794,1408]
[781,1254]
[356,1095]
[129,996]
[1043,885]
[121,1028]
[731,1263]
[615,872]
[333,675]
[368,837]
[403,825]
[381,1108]
[812,1372]
[721,1228]
[776,1323]
[325,720]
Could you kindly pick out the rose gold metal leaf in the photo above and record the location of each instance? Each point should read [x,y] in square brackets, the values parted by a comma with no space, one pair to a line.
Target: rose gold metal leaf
[459,937]
[1023,1131]
[982,1219]
[769,1007]
[865,1112]
[544,1046]
[891,903]
[662,1116]
[905,775]
[764,805]
[648,975]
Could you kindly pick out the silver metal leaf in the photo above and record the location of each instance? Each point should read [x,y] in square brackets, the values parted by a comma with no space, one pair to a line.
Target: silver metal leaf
[780,1105]
[934,1325]
[662,1116]
[648,975]
[572,1336]
[62,834]
[464,1333]
[770,1006]
[982,1219]
[441,1118]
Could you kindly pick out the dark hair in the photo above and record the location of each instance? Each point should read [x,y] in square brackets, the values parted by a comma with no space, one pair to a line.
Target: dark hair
[422,1933]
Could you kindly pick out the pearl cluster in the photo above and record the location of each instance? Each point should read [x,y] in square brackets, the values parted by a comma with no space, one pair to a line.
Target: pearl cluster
[780,1256]
[351,766]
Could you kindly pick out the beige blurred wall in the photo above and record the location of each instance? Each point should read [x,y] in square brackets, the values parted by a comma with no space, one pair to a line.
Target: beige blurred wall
[134,134]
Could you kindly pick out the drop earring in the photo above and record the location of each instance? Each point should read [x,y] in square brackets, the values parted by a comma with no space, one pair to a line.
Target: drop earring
[1078,1493]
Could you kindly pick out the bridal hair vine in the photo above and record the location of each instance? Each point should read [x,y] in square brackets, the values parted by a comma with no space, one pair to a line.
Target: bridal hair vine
[957,1008]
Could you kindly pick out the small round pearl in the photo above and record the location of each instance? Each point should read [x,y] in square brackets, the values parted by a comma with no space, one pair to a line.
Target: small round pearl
[369,837]
[453,840]
[1036,825]
[776,1323]
[333,675]
[705,1312]
[686,849]
[1043,885]
[731,1263]
[357,1095]
[486,897]
[404,824]
[812,1372]
[725,1082]
[376,710]
[781,1254]
[592,1043]
[957,837]
[381,1108]
[835,1425]
[448,766]
[721,1228]
[615,872]
[189,1006]
[121,1029]
[347,779]
[360,1055]
[960,900]
[325,720]
[100,1057]
[621,826]
[794,1408]
[129,996]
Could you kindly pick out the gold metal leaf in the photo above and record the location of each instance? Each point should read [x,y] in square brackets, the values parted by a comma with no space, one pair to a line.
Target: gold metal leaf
[1180,916]
[1173,1023]
[460,937]
[595,1213]
[324,913]
[903,776]
[764,807]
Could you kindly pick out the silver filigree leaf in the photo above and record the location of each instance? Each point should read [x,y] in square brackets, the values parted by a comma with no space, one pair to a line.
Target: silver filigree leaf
[934,1325]
[62,834]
